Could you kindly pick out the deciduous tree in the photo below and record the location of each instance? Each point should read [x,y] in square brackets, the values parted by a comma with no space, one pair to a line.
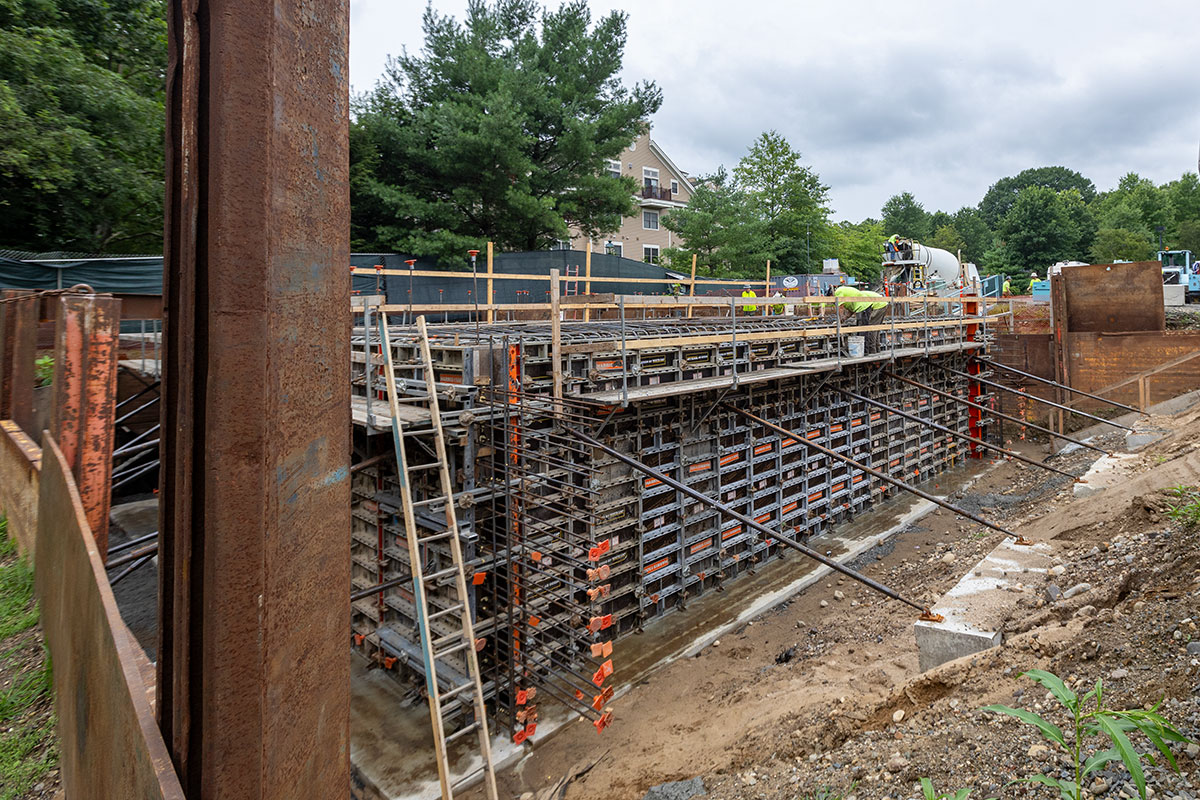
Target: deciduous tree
[788,200]
[1042,227]
[1003,193]
[719,228]
[1118,244]
[500,129]
[858,248]
[81,124]
[902,214]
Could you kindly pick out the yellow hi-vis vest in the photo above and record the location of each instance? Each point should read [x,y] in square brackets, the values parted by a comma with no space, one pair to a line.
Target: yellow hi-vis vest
[749,309]
[850,291]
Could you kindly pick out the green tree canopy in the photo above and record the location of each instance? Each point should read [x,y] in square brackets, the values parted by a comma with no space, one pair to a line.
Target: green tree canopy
[939,219]
[902,214]
[1118,244]
[81,124]
[500,129]
[949,239]
[976,235]
[787,199]
[858,248]
[719,228]
[1003,193]
[1041,228]
[1188,237]
[1183,199]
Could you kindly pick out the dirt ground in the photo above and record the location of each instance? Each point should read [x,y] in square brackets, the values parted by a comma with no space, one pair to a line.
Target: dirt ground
[809,695]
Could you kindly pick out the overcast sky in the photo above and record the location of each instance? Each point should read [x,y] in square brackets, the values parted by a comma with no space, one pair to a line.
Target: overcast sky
[937,98]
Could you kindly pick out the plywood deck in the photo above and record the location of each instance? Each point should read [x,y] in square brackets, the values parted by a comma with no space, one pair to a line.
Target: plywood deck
[676,388]
[381,419]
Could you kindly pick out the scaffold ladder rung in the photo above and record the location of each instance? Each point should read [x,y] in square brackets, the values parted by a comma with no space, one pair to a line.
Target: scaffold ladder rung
[434,658]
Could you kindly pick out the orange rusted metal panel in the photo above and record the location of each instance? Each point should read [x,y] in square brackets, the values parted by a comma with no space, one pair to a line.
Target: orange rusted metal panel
[1105,298]
[85,399]
[109,744]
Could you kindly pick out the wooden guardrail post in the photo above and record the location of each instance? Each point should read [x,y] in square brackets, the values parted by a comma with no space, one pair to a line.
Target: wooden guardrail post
[491,296]
[692,285]
[556,339]
[766,291]
[587,280]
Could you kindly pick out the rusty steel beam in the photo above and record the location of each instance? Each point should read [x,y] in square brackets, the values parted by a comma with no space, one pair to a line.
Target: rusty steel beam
[8,328]
[85,400]
[253,656]
[18,349]
[140,306]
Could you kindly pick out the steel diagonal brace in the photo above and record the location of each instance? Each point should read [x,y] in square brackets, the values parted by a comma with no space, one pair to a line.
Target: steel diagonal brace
[958,434]
[762,530]
[994,413]
[883,476]
[1057,385]
[1034,398]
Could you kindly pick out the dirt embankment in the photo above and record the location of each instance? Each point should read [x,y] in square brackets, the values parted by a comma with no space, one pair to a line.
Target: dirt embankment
[825,691]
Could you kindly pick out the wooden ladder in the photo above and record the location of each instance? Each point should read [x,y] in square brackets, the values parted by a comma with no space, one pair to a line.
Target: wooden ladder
[436,650]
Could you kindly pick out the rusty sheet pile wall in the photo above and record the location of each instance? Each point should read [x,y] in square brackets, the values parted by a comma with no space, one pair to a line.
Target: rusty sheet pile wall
[569,549]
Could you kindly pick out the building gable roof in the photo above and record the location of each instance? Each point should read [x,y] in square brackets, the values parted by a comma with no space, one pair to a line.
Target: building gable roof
[676,171]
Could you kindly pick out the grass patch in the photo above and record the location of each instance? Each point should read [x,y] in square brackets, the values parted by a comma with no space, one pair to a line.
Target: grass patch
[28,747]
[1186,507]
[17,611]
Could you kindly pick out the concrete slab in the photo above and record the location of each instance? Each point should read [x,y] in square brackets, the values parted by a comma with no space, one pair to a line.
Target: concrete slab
[1137,441]
[978,605]
[137,518]
[1105,472]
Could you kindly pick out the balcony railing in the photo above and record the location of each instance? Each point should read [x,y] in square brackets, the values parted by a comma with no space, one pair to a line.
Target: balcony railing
[657,193]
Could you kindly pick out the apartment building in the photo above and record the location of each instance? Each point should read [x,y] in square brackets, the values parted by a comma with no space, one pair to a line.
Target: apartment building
[663,186]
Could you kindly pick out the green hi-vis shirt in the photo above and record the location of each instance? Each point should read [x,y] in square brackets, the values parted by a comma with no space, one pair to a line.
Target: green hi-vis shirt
[850,291]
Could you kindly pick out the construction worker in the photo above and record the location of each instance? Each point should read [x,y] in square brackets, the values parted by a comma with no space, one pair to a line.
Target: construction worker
[891,243]
[1006,290]
[777,308]
[869,313]
[748,292]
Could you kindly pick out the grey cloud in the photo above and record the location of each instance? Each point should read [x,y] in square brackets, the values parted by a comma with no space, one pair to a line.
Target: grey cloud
[940,99]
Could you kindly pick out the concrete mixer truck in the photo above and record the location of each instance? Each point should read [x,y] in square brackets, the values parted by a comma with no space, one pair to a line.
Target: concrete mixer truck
[921,269]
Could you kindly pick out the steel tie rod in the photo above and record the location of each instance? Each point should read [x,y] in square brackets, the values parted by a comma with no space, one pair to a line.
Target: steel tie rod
[762,530]
[959,434]
[1027,396]
[878,474]
[953,396]
[1057,385]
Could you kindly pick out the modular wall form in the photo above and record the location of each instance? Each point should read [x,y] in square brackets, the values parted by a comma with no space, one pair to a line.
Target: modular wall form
[572,550]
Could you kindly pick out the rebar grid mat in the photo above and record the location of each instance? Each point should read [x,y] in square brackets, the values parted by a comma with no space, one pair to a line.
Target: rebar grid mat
[459,334]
